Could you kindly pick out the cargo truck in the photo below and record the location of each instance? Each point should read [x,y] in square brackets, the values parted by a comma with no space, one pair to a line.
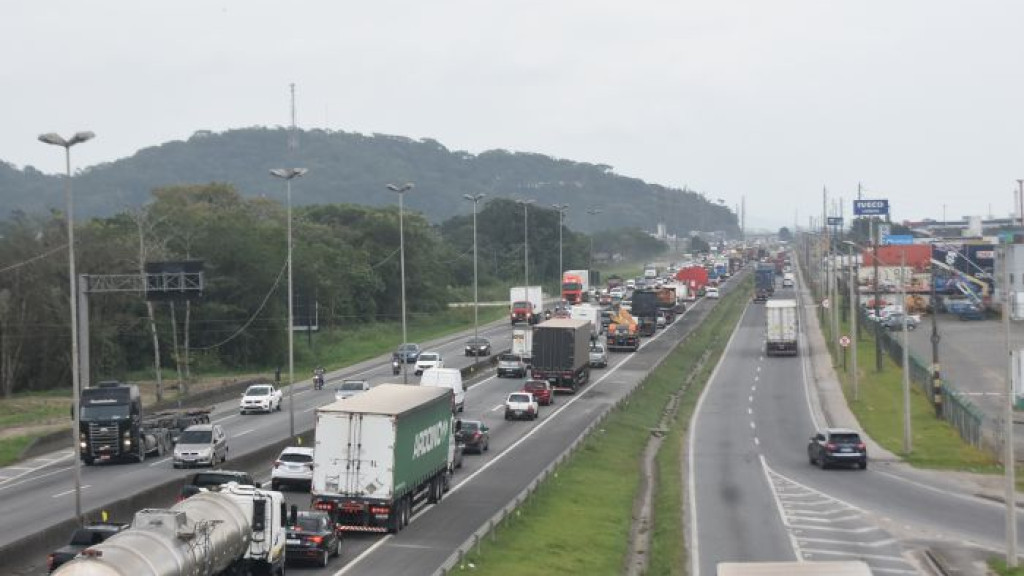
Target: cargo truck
[588,313]
[780,327]
[668,303]
[228,530]
[112,426]
[764,282]
[561,353]
[622,332]
[645,310]
[522,343]
[526,304]
[378,455]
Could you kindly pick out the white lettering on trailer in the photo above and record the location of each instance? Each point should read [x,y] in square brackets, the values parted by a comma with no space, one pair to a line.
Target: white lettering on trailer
[429,439]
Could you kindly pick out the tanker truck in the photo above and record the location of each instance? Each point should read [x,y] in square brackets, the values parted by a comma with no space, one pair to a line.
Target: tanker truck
[231,529]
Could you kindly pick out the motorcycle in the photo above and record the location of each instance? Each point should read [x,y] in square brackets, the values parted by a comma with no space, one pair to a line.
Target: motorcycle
[318,382]
[396,366]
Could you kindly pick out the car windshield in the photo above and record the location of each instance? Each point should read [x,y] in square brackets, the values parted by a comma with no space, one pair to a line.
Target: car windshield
[258,391]
[427,357]
[352,385]
[478,341]
[296,457]
[470,425]
[535,385]
[521,304]
[508,358]
[518,398]
[195,437]
[845,438]
[597,349]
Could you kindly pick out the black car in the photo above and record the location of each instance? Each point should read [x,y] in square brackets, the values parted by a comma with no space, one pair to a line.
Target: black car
[82,538]
[409,352]
[837,446]
[310,537]
[475,436]
[478,347]
[206,480]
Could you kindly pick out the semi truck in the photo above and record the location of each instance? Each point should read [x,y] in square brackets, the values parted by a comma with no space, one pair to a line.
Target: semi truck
[645,310]
[112,426]
[526,304]
[561,353]
[378,455]
[780,327]
[622,332]
[230,529]
[668,303]
[574,286]
[764,282]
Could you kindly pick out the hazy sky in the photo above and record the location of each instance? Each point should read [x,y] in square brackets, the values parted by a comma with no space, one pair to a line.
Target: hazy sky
[921,101]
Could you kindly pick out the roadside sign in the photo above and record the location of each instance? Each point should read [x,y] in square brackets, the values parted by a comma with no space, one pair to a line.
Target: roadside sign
[825,304]
[897,239]
[844,341]
[870,207]
[835,220]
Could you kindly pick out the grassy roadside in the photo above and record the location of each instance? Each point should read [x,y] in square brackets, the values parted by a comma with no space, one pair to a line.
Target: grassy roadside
[36,414]
[590,498]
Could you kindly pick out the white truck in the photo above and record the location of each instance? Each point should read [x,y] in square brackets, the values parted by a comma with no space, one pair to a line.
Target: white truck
[588,313]
[230,529]
[260,398]
[526,304]
[780,327]
[522,343]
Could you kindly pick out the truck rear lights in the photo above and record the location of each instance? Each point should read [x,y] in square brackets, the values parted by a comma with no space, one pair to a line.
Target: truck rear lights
[380,510]
[322,505]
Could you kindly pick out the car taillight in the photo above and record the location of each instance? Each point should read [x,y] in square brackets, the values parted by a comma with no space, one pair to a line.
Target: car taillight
[49,562]
[316,539]
[476,435]
[320,505]
[277,463]
[861,446]
[830,447]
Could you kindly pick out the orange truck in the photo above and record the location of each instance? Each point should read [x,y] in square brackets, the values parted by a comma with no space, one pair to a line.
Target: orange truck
[623,333]
[573,287]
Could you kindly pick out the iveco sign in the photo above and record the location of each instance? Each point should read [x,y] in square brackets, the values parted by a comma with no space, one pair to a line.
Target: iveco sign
[870,207]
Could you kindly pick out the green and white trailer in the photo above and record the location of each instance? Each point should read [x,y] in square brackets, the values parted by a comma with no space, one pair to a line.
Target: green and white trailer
[380,454]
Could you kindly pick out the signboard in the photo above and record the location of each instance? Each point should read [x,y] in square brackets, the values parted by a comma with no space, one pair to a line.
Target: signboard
[835,220]
[884,230]
[870,207]
[844,341]
[897,239]
[825,304]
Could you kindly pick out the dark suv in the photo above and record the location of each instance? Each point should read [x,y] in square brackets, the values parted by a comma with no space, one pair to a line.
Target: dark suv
[837,446]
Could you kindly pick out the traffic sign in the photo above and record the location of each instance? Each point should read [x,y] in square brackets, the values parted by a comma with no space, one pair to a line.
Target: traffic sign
[825,304]
[897,239]
[870,207]
[835,220]
[844,341]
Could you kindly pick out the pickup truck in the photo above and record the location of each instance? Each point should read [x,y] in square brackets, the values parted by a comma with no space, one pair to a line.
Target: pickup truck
[82,538]
[260,398]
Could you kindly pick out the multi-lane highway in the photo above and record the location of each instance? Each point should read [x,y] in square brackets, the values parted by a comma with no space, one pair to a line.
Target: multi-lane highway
[40,494]
[756,497]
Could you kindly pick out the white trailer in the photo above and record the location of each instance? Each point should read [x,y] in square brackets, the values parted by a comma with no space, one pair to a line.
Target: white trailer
[780,327]
[522,343]
[587,313]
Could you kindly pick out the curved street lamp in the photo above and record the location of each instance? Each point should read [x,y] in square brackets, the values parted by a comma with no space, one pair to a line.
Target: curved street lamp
[561,208]
[288,174]
[475,199]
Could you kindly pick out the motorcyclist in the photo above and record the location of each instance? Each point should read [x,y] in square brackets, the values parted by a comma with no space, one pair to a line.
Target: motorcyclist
[396,364]
[318,377]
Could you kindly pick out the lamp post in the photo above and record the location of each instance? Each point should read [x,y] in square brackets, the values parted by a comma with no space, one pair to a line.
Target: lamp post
[401,190]
[854,308]
[288,174]
[590,258]
[526,239]
[561,208]
[475,199]
[57,140]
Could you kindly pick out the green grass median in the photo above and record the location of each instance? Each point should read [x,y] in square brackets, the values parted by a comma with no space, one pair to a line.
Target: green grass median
[578,521]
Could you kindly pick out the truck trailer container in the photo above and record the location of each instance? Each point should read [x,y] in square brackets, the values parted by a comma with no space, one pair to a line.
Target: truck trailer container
[645,310]
[780,327]
[561,353]
[379,454]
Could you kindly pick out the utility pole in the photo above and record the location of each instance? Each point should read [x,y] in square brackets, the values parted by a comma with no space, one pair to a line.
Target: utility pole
[907,437]
[1009,464]
[878,323]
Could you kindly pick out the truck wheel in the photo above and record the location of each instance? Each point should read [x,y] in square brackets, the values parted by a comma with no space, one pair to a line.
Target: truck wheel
[434,497]
[140,456]
[337,547]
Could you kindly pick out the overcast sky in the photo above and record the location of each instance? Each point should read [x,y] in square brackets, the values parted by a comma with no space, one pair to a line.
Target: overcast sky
[921,101]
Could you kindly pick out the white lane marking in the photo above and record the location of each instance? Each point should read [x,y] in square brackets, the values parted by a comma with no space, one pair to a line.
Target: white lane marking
[310,409]
[244,432]
[750,398]
[505,452]
[752,426]
[66,492]
[758,368]
[235,415]
[756,441]
[159,462]
[19,468]
[750,411]
[757,378]
[498,407]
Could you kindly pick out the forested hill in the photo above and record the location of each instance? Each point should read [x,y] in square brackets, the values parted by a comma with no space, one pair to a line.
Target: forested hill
[354,168]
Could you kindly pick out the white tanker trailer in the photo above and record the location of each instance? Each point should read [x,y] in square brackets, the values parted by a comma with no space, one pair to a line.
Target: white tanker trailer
[233,529]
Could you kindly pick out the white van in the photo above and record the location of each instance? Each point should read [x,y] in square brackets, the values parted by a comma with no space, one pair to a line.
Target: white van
[446,378]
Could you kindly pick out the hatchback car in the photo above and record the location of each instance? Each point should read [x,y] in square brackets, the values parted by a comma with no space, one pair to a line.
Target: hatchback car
[521,405]
[511,365]
[428,360]
[408,352]
[478,347]
[541,390]
[711,292]
[201,445]
[598,356]
[894,321]
[475,436]
[310,537]
[293,467]
[837,446]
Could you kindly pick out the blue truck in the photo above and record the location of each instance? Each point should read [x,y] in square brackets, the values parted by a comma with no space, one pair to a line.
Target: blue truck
[764,282]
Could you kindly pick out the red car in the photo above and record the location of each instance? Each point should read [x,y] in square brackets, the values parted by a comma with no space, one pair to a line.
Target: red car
[541,390]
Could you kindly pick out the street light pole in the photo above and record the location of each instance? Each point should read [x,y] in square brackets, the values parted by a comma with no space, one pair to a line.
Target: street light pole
[475,199]
[57,140]
[561,208]
[526,239]
[288,174]
[854,307]
[401,190]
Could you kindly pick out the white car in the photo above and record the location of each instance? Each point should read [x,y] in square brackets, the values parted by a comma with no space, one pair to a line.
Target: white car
[260,398]
[521,405]
[711,293]
[293,466]
[350,388]
[428,360]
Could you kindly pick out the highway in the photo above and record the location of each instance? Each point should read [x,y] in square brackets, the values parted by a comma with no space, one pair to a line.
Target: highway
[758,499]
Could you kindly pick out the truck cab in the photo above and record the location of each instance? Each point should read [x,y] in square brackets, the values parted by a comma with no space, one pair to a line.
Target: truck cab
[111,427]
